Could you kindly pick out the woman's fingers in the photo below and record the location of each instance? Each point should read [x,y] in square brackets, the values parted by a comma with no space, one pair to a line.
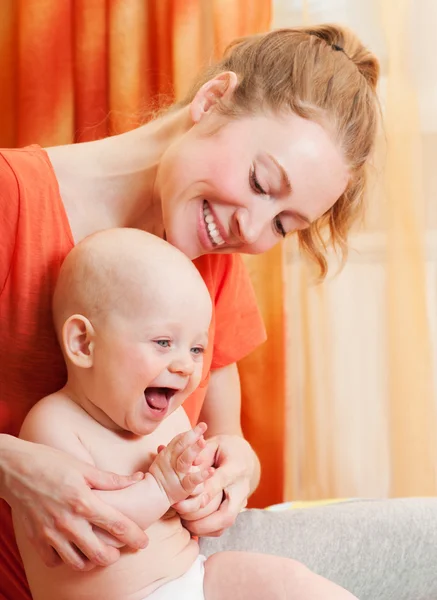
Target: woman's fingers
[66,551]
[213,525]
[195,478]
[207,457]
[190,505]
[104,480]
[208,526]
[220,480]
[117,525]
[47,554]
[85,542]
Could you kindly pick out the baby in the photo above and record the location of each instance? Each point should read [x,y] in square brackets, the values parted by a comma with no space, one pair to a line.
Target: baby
[132,314]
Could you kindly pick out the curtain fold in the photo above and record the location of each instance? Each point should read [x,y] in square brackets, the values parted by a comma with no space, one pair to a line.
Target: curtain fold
[75,70]
[412,406]
[263,379]
[90,75]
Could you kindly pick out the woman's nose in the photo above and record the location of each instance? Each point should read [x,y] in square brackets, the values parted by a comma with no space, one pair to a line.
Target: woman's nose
[250,223]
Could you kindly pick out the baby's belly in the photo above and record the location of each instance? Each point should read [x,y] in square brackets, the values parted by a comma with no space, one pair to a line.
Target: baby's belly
[134,576]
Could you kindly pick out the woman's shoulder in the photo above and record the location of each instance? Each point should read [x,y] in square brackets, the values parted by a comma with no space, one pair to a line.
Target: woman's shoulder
[13,169]
[24,172]
[226,275]
[28,185]
[20,164]
[237,315]
[30,203]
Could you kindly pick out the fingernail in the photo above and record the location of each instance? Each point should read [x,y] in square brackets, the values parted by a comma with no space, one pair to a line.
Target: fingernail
[138,476]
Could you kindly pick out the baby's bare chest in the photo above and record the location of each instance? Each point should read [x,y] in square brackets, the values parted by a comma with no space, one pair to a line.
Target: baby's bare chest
[124,453]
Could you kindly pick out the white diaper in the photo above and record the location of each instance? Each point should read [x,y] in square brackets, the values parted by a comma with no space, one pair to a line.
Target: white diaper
[187,587]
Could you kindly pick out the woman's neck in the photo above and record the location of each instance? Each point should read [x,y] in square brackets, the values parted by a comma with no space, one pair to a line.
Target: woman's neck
[111,182]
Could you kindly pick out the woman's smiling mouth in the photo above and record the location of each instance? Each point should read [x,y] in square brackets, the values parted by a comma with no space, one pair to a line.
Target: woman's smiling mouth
[211,226]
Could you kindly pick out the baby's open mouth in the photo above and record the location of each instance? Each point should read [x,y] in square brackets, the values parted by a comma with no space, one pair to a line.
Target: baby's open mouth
[159,397]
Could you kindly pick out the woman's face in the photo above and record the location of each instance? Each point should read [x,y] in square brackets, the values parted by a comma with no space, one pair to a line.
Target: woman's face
[241,185]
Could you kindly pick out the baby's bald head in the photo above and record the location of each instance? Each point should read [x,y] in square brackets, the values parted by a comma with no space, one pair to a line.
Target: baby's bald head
[124,270]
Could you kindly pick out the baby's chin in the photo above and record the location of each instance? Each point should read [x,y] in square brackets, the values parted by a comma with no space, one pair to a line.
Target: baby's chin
[143,429]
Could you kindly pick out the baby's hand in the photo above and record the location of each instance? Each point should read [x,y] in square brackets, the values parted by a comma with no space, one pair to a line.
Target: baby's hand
[173,466]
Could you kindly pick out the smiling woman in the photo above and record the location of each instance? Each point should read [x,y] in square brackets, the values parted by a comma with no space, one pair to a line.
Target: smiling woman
[254,184]
[271,140]
[319,86]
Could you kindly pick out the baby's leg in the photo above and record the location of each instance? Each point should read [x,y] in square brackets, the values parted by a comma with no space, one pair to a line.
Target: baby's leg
[250,576]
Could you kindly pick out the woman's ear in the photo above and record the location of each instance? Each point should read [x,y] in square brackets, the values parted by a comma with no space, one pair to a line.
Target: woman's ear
[78,341]
[221,87]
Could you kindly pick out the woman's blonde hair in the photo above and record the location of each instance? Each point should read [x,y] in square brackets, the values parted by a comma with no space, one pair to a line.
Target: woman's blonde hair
[321,73]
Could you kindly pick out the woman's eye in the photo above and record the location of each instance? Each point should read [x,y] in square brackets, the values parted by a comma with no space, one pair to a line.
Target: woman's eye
[197,350]
[254,183]
[163,343]
[279,228]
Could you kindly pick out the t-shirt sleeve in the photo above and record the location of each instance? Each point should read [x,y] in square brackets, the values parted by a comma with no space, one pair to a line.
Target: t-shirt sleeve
[239,325]
[9,212]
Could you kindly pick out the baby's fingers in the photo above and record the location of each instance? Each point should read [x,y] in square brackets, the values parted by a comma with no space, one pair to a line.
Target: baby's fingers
[185,447]
[194,479]
[187,458]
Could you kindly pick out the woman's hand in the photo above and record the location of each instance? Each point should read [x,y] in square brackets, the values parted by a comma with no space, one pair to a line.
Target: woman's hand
[50,494]
[235,466]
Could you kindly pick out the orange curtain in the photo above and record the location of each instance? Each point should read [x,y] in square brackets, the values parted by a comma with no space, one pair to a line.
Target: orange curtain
[263,380]
[77,70]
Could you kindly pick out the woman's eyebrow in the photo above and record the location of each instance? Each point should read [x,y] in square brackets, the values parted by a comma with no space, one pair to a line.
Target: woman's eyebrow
[285,180]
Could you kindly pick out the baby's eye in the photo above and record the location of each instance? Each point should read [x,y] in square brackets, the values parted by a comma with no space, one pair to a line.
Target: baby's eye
[197,350]
[163,343]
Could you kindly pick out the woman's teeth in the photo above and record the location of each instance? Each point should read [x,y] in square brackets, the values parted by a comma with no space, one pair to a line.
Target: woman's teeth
[211,226]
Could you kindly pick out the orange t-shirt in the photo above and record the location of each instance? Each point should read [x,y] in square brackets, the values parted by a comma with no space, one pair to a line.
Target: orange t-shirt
[35,237]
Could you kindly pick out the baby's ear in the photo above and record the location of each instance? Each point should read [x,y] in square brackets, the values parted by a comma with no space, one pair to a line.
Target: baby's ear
[78,341]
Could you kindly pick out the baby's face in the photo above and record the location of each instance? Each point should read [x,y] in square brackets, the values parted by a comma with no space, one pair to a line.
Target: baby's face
[147,361]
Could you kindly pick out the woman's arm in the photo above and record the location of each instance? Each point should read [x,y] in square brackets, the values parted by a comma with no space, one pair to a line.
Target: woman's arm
[237,468]
[50,493]
[222,413]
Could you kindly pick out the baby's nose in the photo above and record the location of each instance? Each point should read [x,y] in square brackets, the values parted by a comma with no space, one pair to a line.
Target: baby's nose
[182,366]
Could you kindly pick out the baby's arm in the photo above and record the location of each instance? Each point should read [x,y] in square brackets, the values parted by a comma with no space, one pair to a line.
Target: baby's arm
[170,479]
[50,423]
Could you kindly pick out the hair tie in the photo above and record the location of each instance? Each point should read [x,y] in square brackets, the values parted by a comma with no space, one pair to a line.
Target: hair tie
[335,47]
[338,48]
